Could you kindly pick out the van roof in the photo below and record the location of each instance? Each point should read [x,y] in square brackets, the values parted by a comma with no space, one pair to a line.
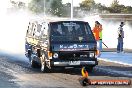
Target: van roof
[55,19]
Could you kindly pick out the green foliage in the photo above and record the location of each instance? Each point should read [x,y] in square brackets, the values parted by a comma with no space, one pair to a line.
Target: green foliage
[17,4]
[56,7]
[36,6]
[115,3]
[100,7]
[128,9]
[115,7]
[87,4]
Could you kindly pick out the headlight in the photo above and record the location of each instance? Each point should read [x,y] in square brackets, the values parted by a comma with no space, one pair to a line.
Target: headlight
[91,54]
[55,55]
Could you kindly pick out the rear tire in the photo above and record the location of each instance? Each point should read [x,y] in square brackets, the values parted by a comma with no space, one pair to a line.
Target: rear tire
[33,63]
[29,54]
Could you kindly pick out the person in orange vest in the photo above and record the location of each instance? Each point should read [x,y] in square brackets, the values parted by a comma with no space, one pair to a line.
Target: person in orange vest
[97,31]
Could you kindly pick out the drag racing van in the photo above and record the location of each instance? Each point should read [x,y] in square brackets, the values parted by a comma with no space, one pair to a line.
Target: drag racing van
[66,43]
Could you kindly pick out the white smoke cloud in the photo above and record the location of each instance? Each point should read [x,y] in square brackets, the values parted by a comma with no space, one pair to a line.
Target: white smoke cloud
[13,26]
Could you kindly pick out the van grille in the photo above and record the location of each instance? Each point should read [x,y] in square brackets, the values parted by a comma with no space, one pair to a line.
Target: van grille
[73,55]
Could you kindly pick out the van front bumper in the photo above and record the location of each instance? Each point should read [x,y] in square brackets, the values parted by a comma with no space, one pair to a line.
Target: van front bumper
[74,63]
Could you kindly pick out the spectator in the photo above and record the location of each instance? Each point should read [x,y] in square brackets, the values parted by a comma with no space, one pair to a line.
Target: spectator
[120,38]
[97,31]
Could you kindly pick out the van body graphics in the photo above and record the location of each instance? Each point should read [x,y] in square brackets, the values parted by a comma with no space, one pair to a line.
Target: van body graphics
[60,44]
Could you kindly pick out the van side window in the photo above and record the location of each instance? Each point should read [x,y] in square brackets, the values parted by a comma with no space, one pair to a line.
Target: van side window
[27,33]
[44,29]
[30,29]
[39,26]
[37,30]
[34,30]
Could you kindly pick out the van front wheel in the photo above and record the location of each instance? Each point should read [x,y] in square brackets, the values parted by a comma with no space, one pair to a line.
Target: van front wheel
[43,65]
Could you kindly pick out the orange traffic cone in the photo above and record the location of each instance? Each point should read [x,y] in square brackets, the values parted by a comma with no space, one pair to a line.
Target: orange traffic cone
[84,81]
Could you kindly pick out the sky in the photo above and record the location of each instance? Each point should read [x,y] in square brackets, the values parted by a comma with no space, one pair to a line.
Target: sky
[103,2]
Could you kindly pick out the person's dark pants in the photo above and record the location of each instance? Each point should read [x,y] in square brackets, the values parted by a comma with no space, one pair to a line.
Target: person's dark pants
[120,45]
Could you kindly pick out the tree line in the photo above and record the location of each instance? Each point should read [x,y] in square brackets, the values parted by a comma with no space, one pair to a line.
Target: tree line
[114,7]
[57,8]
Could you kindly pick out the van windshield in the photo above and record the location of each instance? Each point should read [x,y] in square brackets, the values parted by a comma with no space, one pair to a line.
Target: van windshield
[71,31]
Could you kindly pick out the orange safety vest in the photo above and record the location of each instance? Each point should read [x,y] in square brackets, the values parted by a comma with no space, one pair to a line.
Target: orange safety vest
[96,32]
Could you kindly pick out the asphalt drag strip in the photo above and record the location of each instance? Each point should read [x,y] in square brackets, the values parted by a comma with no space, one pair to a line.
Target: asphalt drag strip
[17,73]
